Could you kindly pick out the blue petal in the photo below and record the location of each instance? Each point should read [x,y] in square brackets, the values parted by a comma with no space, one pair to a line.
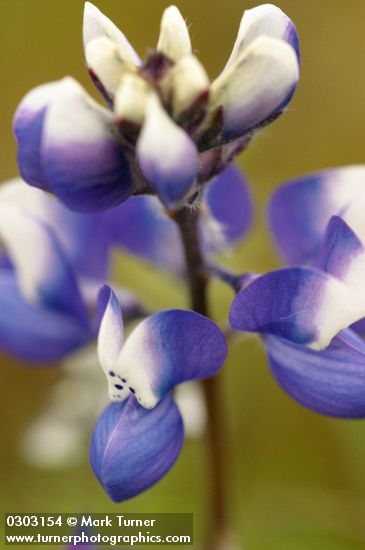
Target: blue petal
[300,209]
[230,205]
[34,333]
[133,448]
[86,241]
[84,165]
[28,128]
[141,227]
[303,305]
[342,254]
[168,348]
[330,382]
[359,326]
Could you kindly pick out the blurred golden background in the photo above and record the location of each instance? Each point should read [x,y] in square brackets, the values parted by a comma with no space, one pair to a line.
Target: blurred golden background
[297,480]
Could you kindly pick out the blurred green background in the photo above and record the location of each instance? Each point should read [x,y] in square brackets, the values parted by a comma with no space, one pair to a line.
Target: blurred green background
[297,480]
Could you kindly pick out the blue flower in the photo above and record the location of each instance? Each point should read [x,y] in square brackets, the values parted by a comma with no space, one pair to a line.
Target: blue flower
[52,264]
[170,130]
[304,313]
[139,436]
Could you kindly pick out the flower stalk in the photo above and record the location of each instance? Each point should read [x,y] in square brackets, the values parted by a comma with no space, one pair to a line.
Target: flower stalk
[197,274]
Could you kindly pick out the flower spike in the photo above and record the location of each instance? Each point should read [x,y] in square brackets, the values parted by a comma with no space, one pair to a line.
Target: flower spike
[170,131]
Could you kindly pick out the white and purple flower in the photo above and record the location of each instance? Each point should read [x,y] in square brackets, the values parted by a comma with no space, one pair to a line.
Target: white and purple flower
[138,437]
[304,313]
[170,130]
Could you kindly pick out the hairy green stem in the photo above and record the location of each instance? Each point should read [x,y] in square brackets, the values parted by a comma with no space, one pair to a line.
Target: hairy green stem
[187,220]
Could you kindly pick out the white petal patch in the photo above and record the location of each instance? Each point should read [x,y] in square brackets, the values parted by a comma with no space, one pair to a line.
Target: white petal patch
[103,57]
[127,366]
[38,98]
[90,122]
[187,81]
[135,364]
[35,201]
[96,25]
[110,342]
[30,248]
[39,204]
[339,307]
[267,19]
[255,85]
[191,403]
[174,39]
[130,99]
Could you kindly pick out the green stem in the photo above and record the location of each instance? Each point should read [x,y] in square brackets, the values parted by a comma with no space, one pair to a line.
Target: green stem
[187,221]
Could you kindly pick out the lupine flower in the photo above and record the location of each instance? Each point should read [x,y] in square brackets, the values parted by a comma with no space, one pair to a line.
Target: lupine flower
[47,282]
[169,129]
[304,314]
[139,436]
